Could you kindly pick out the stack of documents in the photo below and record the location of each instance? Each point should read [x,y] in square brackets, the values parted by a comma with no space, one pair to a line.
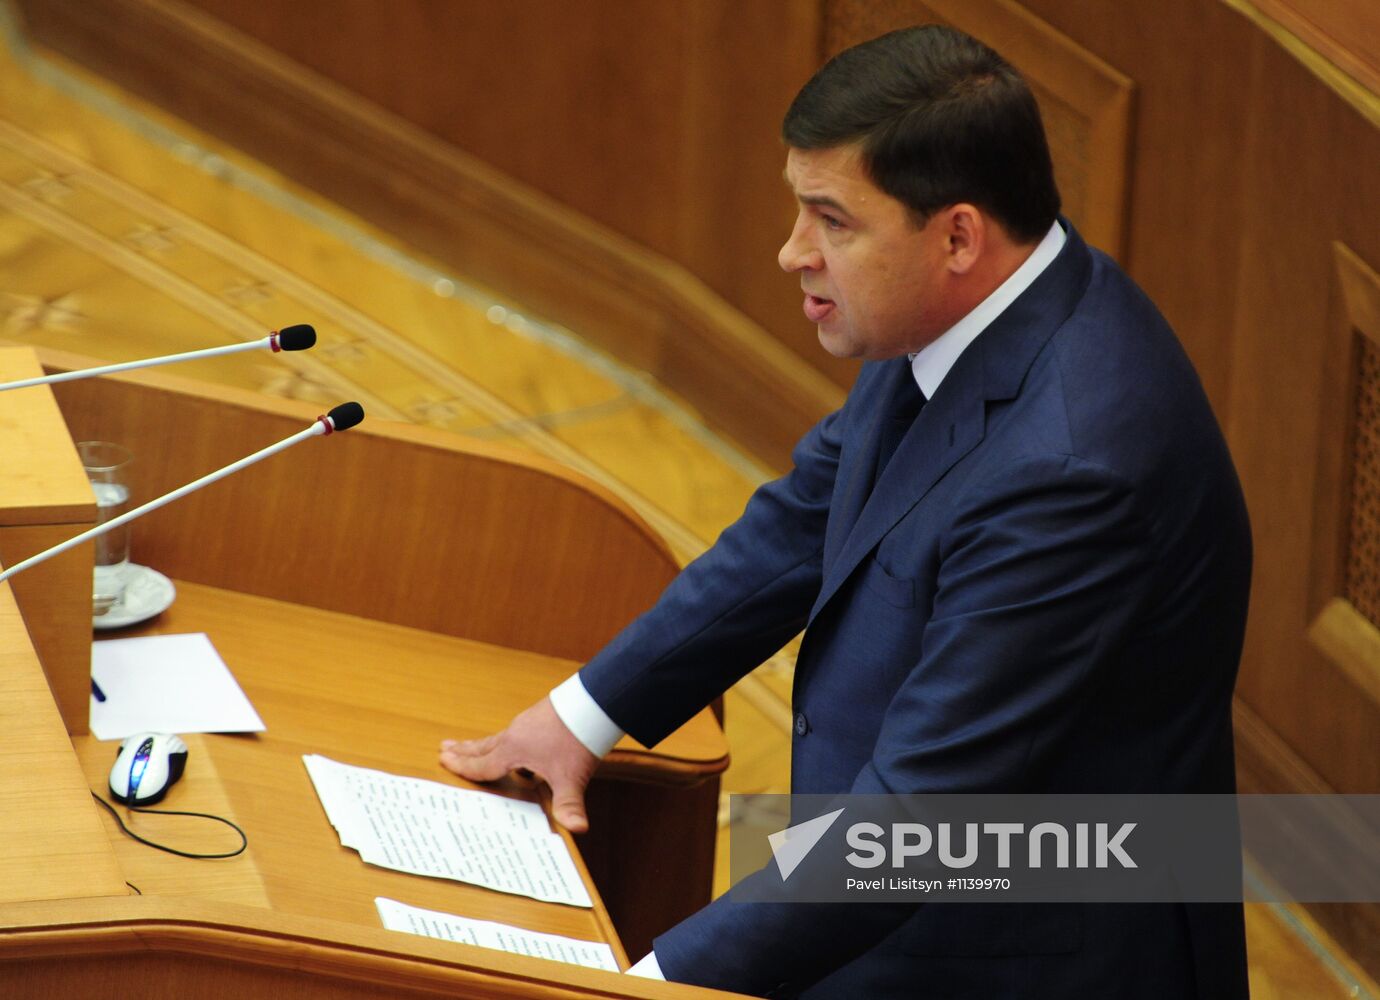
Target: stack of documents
[427,828]
[487,934]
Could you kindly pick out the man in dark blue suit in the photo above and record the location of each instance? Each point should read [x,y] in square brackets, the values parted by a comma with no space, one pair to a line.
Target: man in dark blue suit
[1019,553]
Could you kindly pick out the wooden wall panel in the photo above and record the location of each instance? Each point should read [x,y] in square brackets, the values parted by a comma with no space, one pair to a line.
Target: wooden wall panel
[550,93]
[1308,173]
[659,120]
[1344,581]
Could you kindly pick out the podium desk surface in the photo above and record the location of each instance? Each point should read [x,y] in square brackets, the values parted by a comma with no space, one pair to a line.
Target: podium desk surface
[366,693]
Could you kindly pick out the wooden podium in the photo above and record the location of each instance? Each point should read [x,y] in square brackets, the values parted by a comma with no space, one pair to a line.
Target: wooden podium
[373,592]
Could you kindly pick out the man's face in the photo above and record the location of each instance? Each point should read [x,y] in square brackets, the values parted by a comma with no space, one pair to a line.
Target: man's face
[874,283]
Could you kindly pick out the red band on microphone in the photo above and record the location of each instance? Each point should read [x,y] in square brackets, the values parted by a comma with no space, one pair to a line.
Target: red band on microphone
[326,422]
[273,341]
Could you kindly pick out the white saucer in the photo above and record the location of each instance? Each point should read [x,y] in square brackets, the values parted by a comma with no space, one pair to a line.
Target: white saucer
[147,593]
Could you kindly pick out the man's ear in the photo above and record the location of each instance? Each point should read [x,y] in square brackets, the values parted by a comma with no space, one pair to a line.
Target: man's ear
[966,236]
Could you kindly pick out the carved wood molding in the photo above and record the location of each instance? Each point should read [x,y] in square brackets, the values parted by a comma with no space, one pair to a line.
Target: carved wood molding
[1344,508]
[1352,75]
[1265,764]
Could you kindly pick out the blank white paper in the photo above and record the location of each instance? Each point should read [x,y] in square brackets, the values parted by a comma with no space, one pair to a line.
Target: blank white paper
[166,684]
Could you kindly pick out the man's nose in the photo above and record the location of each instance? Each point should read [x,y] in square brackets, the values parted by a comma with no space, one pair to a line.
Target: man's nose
[798,253]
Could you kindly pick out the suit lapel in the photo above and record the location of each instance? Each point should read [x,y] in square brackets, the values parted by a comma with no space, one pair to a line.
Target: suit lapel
[953,423]
[948,428]
[858,464]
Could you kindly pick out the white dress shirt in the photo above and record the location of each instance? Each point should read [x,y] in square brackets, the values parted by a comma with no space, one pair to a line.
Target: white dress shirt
[935,359]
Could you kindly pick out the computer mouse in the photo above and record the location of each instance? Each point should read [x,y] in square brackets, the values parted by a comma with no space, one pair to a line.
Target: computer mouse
[147,765]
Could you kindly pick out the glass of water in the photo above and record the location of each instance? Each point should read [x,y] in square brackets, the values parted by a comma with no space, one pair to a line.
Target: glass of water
[106,465]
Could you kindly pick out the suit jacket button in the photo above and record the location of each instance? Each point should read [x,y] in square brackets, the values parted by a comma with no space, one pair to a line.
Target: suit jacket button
[802,724]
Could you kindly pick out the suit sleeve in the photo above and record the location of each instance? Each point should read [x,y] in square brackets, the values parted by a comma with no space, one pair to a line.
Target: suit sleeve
[1040,577]
[730,609]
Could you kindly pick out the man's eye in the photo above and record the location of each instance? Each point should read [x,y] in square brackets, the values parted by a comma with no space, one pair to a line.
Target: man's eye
[831,222]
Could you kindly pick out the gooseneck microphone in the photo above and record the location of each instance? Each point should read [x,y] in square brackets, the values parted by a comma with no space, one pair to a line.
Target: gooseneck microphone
[291,338]
[342,418]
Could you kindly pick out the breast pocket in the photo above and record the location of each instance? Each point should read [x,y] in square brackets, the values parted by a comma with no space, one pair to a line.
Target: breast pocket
[897,591]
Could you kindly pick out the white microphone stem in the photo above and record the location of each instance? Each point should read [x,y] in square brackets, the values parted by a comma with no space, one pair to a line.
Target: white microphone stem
[315,429]
[209,352]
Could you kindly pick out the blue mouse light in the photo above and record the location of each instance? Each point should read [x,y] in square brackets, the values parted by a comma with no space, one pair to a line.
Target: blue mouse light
[147,765]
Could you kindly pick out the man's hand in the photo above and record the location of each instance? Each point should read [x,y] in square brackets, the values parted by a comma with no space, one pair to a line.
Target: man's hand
[538,741]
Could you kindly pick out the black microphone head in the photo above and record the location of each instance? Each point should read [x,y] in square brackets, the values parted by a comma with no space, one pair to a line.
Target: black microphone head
[296,338]
[346,415]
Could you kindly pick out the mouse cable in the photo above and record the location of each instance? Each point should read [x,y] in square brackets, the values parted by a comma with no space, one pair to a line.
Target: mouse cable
[244,841]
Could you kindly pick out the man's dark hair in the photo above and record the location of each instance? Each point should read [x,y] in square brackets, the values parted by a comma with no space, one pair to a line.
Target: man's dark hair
[940,119]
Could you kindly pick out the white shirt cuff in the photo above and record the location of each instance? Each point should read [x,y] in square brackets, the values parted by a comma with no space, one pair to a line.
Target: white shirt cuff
[648,968]
[582,715]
